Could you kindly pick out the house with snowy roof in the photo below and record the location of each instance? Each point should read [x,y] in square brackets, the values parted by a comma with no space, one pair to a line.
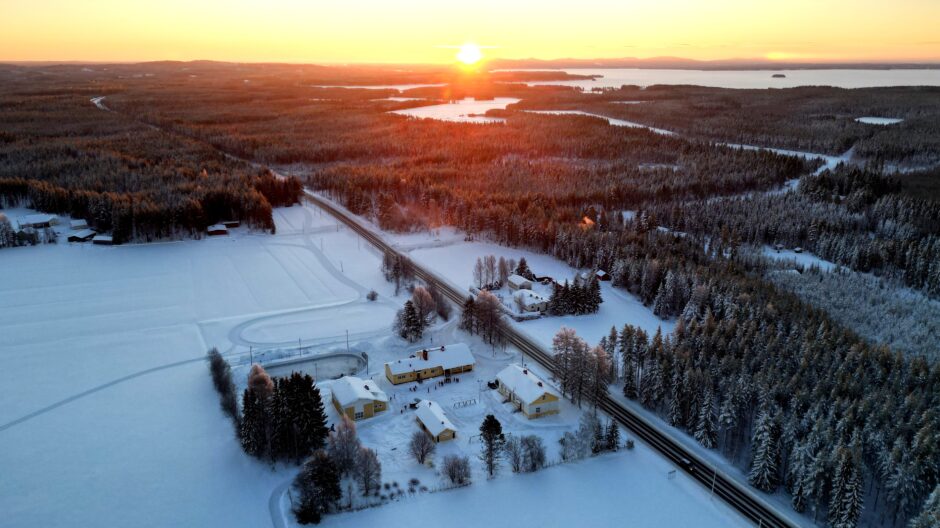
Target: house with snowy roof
[518,282]
[527,391]
[357,398]
[38,220]
[429,363]
[433,421]
[530,301]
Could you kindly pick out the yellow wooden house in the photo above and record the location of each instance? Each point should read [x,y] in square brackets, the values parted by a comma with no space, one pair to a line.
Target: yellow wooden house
[358,399]
[430,363]
[528,392]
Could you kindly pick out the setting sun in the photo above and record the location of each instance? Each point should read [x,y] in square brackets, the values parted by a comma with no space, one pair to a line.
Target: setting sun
[469,53]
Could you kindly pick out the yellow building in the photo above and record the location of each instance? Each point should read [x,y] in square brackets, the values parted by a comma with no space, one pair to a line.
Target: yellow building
[430,363]
[434,422]
[527,391]
[358,399]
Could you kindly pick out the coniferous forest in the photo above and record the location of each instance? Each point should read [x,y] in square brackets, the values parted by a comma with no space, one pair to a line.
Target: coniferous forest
[799,394]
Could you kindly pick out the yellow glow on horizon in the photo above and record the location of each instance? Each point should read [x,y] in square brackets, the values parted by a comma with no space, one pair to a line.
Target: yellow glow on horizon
[469,54]
[412,31]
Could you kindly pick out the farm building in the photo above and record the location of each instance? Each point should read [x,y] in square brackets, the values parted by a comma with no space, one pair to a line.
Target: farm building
[82,236]
[217,230]
[527,391]
[518,282]
[531,301]
[430,363]
[434,422]
[231,224]
[357,398]
[38,220]
[602,275]
[102,240]
[78,224]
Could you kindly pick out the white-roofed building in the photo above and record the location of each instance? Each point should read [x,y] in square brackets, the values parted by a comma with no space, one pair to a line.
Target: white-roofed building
[102,240]
[518,282]
[428,363]
[527,391]
[78,224]
[358,398]
[38,220]
[216,230]
[434,422]
[82,236]
[530,301]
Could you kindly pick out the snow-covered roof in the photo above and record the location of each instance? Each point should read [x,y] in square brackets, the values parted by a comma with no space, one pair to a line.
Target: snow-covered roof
[84,233]
[530,296]
[447,357]
[78,224]
[349,390]
[102,238]
[517,279]
[37,218]
[432,416]
[217,227]
[523,383]
[601,273]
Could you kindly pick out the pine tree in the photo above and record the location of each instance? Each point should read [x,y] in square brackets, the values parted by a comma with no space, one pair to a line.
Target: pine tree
[317,487]
[845,504]
[251,430]
[468,317]
[612,436]
[523,270]
[491,433]
[929,516]
[706,427]
[763,473]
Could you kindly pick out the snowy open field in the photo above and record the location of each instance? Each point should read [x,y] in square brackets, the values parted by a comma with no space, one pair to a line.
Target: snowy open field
[108,416]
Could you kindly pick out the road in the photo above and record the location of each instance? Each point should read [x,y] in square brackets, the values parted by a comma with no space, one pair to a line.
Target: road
[743,499]
[740,497]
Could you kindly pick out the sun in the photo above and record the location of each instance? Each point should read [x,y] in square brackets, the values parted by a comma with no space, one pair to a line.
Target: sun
[469,54]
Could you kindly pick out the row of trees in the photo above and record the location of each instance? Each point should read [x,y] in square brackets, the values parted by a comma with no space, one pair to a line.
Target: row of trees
[582,297]
[483,316]
[281,418]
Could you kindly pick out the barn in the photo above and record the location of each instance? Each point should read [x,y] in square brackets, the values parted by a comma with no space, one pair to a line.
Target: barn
[358,399]
[527,392]
[518,282]
[102,240]
[217,230]
[433,421]
[78,224]
[82,236]
[38,220]
[429,363]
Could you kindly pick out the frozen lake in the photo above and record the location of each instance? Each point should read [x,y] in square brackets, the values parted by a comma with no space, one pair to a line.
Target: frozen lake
[616,77]
[398,87]
[467,110]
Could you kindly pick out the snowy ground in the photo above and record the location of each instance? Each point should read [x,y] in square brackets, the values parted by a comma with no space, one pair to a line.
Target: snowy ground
[803,259]
[455,264]
[109,418]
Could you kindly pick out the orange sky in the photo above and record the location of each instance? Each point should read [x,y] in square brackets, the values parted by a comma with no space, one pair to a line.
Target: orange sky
[421,31]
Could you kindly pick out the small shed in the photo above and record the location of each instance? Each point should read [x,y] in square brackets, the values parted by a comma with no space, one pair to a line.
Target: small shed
[217,230]
[232,224]
[78,224]
[518,282]
[102,240]
[82,236]
[432,420]
[602,275]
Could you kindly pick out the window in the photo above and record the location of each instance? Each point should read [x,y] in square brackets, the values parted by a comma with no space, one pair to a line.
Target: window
[538,410]
[359,415]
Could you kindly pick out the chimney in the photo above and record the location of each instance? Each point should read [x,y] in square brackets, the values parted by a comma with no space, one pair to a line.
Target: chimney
[525,371]
[540,384]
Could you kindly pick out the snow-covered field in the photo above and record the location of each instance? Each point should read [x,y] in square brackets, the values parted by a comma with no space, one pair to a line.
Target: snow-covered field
[108,416]
[804,259]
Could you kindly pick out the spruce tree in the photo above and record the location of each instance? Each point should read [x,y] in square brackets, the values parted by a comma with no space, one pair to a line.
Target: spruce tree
[491,434]
[763,472]
[317,487]
[251,430]
[612,436]
[929,516]
[706,427]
